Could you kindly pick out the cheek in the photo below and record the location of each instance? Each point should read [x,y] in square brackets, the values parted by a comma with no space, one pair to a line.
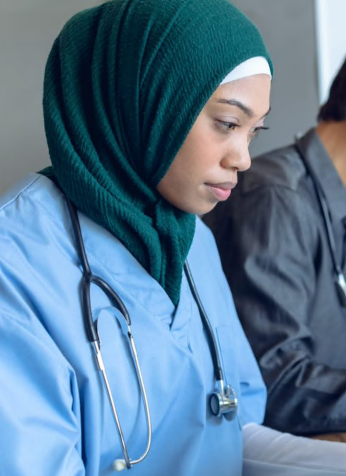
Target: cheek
[200,151]
[173,182]
[186,161]
[191,146]
[200,138]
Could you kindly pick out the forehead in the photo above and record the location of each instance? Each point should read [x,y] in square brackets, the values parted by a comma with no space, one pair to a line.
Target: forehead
[252,91]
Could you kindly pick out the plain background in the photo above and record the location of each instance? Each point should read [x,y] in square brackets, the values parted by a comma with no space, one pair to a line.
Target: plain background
[29,27]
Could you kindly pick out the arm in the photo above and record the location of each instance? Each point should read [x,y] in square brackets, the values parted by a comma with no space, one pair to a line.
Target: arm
[267,241]
[270,453]
[339,437]
[40,434]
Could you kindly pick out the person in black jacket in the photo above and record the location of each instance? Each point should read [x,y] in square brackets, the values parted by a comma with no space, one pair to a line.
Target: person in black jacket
[282,266]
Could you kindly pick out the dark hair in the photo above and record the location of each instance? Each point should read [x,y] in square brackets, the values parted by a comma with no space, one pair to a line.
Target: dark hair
[334,109]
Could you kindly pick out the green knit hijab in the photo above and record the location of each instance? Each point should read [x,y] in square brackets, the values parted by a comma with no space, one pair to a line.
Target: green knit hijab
[124,83]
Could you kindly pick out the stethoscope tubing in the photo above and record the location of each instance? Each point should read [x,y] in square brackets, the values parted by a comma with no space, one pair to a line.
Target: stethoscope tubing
[210,334]
[323,206]
[337,267]
[89,278]
[93,336]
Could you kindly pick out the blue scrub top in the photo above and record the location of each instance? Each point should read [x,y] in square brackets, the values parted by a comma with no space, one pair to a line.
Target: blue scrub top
[55,416]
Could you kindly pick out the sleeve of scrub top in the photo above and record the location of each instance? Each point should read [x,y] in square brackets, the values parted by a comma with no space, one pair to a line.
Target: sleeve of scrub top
[39,432]
[269,452]
[266,241]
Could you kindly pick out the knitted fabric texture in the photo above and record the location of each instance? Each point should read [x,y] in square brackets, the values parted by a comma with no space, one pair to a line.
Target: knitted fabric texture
[124,83]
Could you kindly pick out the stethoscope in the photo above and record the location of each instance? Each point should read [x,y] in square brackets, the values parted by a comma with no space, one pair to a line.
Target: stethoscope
[340,281]
[222,402]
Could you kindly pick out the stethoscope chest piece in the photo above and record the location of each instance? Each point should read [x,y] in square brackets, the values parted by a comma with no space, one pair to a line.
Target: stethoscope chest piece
[224,403]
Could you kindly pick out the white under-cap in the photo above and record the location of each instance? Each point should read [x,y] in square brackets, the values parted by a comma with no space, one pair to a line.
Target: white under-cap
[250,67]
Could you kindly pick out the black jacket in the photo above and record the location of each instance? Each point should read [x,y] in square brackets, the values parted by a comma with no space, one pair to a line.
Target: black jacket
[275,253]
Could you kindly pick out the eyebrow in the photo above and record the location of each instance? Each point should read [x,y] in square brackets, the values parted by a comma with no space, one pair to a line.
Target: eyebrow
[246,110]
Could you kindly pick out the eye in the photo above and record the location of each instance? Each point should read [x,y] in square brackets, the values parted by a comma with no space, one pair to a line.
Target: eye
[255,131]
[225,126]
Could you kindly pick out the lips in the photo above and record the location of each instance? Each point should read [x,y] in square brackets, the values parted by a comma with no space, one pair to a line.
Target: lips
[221,191]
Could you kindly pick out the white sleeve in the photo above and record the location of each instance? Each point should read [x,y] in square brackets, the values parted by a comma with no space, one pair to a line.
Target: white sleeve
[269,452]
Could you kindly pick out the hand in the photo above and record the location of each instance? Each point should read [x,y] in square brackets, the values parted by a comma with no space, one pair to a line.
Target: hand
[339,437]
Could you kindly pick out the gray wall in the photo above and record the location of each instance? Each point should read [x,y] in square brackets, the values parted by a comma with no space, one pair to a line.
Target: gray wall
[28,28]
[288,28]
[27,31]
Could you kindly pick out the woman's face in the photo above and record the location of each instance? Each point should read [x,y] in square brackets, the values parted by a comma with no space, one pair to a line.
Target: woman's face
[205,169]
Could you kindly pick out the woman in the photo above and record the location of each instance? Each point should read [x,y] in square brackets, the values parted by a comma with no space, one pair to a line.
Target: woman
[149,108]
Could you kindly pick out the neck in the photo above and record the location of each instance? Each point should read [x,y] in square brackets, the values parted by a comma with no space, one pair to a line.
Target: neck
[333,137]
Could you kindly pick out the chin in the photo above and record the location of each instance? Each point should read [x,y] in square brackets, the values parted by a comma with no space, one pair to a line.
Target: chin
[206,210]
[200,209]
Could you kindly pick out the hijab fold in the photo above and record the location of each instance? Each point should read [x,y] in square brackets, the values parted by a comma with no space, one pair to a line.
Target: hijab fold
[124,83]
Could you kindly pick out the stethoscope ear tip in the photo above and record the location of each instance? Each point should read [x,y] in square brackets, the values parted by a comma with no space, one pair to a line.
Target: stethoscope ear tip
[119,465]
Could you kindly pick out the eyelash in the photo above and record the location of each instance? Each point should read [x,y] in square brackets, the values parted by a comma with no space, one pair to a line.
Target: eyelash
[225,127]
[257,130]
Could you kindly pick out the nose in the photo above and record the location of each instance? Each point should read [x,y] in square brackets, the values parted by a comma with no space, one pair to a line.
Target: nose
[237,158]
